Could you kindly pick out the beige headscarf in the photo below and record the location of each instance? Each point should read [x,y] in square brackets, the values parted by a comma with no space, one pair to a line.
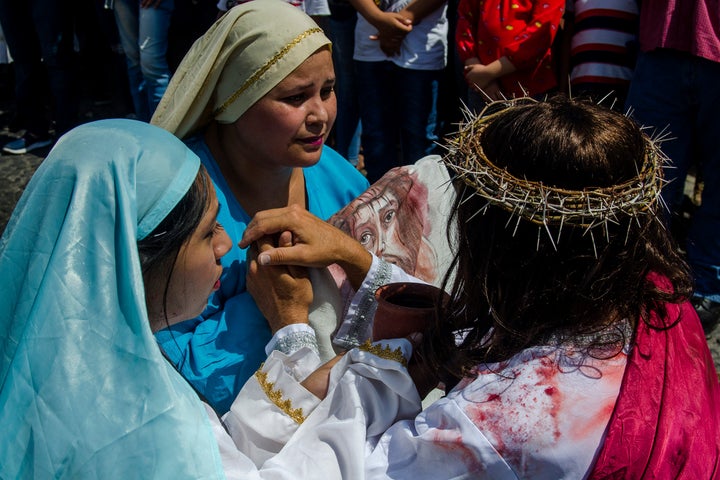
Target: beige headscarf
[246,53]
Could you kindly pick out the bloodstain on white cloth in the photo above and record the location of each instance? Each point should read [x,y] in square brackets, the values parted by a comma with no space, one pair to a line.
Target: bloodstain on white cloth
[546,405]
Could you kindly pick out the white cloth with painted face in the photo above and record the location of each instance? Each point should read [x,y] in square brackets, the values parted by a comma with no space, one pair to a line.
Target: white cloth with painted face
[402,218]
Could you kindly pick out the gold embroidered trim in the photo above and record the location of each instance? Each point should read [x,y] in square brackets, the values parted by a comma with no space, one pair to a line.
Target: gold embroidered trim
[277,398]
[384,352]
[264,69]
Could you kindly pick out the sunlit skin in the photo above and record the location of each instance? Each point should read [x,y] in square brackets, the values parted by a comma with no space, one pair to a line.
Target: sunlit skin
[289,125]
[196,274]
[262,153]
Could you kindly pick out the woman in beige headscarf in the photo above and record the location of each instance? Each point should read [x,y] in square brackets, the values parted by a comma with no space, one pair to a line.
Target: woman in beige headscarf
[254,100]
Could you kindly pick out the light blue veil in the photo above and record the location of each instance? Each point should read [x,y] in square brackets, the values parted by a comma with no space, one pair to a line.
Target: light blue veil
[84,389]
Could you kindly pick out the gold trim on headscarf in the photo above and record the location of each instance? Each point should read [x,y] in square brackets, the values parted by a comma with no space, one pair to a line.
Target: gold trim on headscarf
[264,69]
[246,53]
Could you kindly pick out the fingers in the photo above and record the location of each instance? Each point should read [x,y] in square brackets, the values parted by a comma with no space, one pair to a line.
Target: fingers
[285,239]
[291,236]
[403,23]
[291,255]
[267,222]
[260,249]
[390,45]
[267,247]
[270,222]
[283,294]
[252,260]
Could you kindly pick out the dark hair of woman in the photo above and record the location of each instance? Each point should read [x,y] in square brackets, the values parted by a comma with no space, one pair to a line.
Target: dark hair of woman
[160,248]
[514,288]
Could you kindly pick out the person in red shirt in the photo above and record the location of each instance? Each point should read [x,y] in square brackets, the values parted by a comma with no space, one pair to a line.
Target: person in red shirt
[505,47]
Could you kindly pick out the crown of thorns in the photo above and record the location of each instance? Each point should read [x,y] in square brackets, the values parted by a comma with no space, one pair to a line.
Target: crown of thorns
[546,205]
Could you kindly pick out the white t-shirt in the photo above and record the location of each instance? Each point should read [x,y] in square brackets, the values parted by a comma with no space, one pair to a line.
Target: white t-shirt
[424,48]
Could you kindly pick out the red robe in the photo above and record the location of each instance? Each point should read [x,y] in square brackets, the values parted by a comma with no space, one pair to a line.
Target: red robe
[666,422]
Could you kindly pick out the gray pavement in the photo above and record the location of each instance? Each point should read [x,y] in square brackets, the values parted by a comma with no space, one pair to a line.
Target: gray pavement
[15,172]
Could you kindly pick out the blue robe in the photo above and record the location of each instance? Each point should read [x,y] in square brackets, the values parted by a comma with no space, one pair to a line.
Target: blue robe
[218,351]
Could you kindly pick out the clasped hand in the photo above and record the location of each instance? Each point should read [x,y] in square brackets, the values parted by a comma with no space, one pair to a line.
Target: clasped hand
[392,28]
[283,293]
[307,242]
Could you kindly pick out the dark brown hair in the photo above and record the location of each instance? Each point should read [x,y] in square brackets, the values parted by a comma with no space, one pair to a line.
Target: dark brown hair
[514,288]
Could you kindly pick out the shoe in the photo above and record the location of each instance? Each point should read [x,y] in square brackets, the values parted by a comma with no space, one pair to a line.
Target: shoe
[26,144]
[708,311]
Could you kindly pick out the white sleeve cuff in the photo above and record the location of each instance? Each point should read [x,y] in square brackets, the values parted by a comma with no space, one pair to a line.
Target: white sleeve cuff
[292,338]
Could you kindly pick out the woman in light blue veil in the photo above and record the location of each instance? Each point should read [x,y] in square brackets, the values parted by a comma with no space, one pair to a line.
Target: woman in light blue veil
[84,389]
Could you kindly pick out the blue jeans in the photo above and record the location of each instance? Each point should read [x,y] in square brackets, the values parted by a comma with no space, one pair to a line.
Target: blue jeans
[39,35]
[397,106]
[144,37]
[679,92]
[347,123]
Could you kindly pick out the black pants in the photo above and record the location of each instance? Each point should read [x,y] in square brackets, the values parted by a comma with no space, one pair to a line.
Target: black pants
[39,35]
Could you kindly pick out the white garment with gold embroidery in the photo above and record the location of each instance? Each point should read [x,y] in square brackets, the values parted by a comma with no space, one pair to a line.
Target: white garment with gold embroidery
[540,415]
[368,393]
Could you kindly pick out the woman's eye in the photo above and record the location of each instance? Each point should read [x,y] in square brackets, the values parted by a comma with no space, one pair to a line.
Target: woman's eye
[294,98]
[326,92]
[217,228]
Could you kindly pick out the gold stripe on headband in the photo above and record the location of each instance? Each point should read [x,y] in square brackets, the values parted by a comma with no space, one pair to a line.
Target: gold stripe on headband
[264,69]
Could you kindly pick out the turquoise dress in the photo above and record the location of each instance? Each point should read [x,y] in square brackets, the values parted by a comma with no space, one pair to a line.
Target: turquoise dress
[218,351]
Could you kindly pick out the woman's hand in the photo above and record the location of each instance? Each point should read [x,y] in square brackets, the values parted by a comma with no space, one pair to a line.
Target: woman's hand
[307,241]
[282,293]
